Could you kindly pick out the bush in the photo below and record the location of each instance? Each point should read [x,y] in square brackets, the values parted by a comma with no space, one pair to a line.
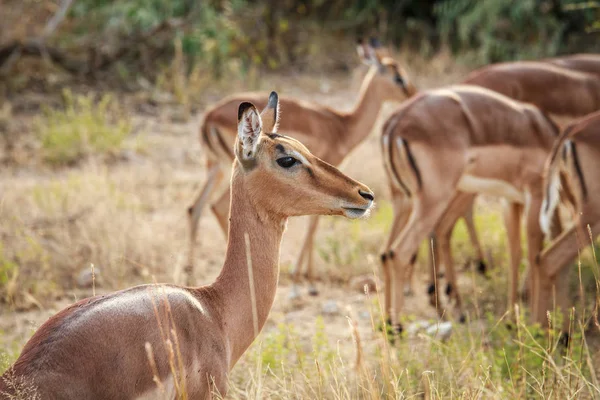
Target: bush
[500,30]
[83,128]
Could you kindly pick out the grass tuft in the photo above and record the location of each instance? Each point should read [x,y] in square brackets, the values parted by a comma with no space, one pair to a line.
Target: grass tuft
[82,129]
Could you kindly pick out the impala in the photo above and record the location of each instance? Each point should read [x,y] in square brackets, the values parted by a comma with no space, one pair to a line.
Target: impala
[329,134]
[577,152]
[567,86]
[113,347]
[443,147]
[552,88]
[589,63]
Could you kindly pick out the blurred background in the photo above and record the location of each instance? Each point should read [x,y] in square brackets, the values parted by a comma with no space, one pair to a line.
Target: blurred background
[125,43]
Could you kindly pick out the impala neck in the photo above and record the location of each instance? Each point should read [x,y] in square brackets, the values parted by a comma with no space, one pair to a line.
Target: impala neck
[362,118]
[233,284]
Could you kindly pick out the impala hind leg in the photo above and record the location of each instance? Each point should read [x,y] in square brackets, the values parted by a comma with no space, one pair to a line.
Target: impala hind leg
[470,224]
[554,265]
[214,178]
[433,288]
[305,257]
[401,207]
[535,239]
[457,207]
[512,221]
[220,209]
[426,213]
[555,230]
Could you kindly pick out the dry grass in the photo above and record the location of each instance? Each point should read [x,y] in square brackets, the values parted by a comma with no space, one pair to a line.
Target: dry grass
[127,216]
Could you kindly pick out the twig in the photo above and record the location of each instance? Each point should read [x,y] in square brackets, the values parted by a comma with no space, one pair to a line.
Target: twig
[36,49]
[136,42]
[56,19]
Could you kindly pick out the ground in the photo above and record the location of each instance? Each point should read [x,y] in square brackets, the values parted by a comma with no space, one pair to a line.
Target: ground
[126,214]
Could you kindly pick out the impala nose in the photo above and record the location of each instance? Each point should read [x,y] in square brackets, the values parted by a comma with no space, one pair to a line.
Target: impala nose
[366,195]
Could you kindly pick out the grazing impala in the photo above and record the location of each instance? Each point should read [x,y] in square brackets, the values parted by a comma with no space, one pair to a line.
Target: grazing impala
[552,88]
[577,153]
[99,348]
[329,134]
[567,86]
[443,147]
[588,63]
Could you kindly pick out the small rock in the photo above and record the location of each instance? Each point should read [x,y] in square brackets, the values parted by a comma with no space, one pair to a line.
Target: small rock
[417,326]
[294,293]
[330,308]
[358,283]
[441,331]
[364,315]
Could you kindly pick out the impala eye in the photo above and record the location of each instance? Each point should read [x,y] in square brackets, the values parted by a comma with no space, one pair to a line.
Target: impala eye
[287,162]
[400,80]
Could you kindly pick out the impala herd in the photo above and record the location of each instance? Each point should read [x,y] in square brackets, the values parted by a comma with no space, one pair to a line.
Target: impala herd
[491,134]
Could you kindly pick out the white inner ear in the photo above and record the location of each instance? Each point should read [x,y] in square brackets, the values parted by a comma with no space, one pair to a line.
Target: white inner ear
[249,130]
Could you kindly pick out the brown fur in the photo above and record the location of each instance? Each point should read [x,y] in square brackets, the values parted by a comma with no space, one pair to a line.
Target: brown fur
[471,127]
[96,347]
[549,85]
[580,168]
[588,63]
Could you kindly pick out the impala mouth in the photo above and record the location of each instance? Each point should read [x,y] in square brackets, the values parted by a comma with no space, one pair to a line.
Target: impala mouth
[357,212]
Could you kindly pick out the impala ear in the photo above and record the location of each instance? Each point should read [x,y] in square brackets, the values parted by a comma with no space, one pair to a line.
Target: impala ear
[270,115]
[374,42]
[249,129]
[366,53]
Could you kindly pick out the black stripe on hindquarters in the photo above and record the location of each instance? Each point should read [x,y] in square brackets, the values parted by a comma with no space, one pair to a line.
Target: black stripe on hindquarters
[396,175]
[413,164]
[578,170]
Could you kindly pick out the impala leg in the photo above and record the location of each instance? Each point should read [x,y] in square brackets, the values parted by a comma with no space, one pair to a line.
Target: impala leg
[555,231]
[459,204]
[446,259]
[512,221]
[402,207]
[426,213]
[554,264]
[220,209]
[215,175]
[312,290]
[409,281]
[434,262]
[535,239]
[470,223]
[306,253]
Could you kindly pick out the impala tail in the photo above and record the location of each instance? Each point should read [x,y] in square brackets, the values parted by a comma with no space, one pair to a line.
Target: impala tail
[552,189]
[215,144]
[563,155]
[399,161]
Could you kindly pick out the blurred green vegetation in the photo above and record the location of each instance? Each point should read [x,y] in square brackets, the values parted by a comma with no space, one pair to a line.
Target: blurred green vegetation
[84,128]
[223,35]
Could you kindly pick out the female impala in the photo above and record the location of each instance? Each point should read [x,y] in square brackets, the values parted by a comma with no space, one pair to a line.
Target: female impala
[329,134]
[444,146]
[588,63]
[567,86]
[552,88]
[577,152]
[96,348]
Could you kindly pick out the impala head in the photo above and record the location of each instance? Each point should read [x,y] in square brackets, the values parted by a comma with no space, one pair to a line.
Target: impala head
[283,178]
[389,75]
